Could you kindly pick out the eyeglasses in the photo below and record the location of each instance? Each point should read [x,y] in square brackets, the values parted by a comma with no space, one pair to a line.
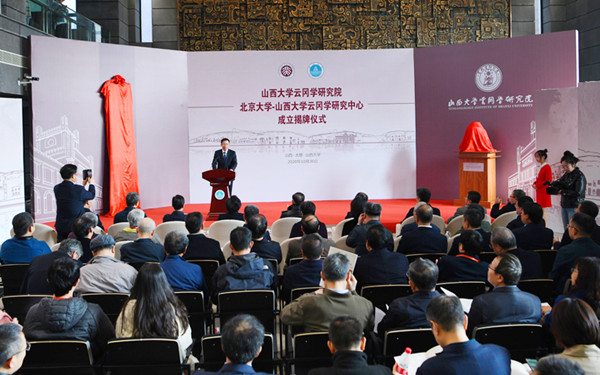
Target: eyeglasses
[491,268]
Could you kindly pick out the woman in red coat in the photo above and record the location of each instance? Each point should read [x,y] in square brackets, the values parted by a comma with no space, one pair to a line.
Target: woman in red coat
[544,175]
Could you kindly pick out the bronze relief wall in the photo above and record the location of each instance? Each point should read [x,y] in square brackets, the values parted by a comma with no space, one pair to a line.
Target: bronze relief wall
[223,25]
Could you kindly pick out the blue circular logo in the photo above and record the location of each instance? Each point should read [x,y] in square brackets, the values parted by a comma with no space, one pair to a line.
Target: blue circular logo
[315,70]
[219,194]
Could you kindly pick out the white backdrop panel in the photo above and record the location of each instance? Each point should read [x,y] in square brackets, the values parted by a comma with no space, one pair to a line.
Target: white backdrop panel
[324,152]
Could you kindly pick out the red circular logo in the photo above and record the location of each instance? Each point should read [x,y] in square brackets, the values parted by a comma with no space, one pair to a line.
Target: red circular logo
[286,71]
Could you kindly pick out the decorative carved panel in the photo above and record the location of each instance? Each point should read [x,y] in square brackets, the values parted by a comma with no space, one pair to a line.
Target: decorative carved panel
[222,25]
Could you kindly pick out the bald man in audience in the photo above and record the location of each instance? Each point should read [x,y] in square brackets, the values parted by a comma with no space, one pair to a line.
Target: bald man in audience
[426,238]
[309,225]
[506,303]
[143,249]
[503,241]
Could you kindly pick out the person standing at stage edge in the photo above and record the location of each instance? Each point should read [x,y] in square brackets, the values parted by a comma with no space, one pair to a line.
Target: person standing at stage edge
[225,159]
[70,199]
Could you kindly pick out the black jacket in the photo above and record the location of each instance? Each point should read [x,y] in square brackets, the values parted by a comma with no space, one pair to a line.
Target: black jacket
[72,318]
[202,247]
[573,190]
[69,204]
[350,362]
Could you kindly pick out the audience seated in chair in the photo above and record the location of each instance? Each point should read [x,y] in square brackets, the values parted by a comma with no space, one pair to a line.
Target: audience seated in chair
[357,207]
[533,235]
[465,266]
[517,223]
[314,311]
[358,237]
[460,355]
[308,272]
[233,205]
[575,328]
[503,241]
[130,233]
[132,200]
[94,219]
[585,207]
[347,344]
[308,225]
[244,269]
[580,230]
[264,248]
[557,365]
[506,303]
[200,246]
[13,348]
[241,339]
[423,195]
[472,220]
[249,211]
[379,265]
[293,210]
[83,231]
[23,247]
[35,281]
[473,197]
[425,238]
[409,227]
[409,312]
[63,316]
[180,274]
[178,201]
[510,205]
[307,208]
[103,273]
[143,249]
[152,310]
[87,207]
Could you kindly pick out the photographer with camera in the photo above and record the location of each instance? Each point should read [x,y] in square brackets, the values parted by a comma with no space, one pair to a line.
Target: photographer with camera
[571,187]
[71,198]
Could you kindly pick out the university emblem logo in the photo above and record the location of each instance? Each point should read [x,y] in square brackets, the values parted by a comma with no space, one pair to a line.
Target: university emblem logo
[315,70]
[219,194]
[488,77]
[286,71]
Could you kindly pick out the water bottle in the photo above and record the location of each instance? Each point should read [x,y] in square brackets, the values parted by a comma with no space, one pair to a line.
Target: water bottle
[402,362]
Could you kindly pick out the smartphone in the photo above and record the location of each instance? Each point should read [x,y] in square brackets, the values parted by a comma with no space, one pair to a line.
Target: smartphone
[87,173]
[531,363]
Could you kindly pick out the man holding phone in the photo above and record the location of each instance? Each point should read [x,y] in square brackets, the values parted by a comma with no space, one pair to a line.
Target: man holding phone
[70,198]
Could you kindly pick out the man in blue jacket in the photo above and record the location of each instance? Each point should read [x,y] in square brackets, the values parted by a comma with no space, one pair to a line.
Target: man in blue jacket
[23,247]
[70,199]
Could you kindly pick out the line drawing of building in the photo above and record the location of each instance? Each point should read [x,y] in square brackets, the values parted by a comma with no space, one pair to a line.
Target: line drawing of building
[526,172]
[53,148]
[12,198]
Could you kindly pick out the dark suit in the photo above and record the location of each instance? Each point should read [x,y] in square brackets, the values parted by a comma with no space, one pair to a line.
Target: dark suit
[566,256]
[423,240]
[348,226]
[350,362]
[97,216]
[515,224]
[504,304]
[531,263]
[381,266]
[142,250]
[358,237]
[293,210]
[534,237]
[468,358]
[267,249]
[121,217]
[297,230]
[87,253]
[496,211]
[174,216]
[35,278]
[486,242]
[407,312]
[304,274]
[231,368]
[411,212]
[70,199]
[462,268]
[567,240]
[231,216]
[219,162]
[202,247]
[413,226]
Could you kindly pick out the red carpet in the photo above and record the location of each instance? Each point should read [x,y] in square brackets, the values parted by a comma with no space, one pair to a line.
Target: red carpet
[329,212]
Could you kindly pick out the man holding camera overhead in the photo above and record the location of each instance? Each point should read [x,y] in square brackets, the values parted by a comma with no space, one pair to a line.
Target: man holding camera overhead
[70,198]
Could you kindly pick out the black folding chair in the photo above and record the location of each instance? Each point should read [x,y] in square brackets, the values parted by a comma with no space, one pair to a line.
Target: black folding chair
[111,303]
[214,356]
[260,303]
[523,340]
[59,357]
[543,288]
[431,256]
[383,295]
[160,356]
[209,267]
[310,351]
[397,340]
[12,277]
[547,256]
[18,306]
[464,289]
[487,256]
[297,292]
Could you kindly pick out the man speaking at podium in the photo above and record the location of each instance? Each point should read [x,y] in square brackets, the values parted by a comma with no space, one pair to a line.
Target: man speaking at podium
[225,159]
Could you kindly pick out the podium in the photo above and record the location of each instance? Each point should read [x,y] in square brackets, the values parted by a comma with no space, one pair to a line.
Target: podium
[219,180]
[477,171]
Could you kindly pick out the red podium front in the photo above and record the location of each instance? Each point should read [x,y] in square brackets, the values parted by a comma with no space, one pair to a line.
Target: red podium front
[219,180]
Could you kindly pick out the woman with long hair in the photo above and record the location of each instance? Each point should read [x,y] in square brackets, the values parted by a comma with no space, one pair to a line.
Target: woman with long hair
[152,310]
[544,176]
[572,186]
[585,285]
[576,329]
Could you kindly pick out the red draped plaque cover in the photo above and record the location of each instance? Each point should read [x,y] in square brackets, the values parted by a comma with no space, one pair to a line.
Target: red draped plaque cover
[120,140]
